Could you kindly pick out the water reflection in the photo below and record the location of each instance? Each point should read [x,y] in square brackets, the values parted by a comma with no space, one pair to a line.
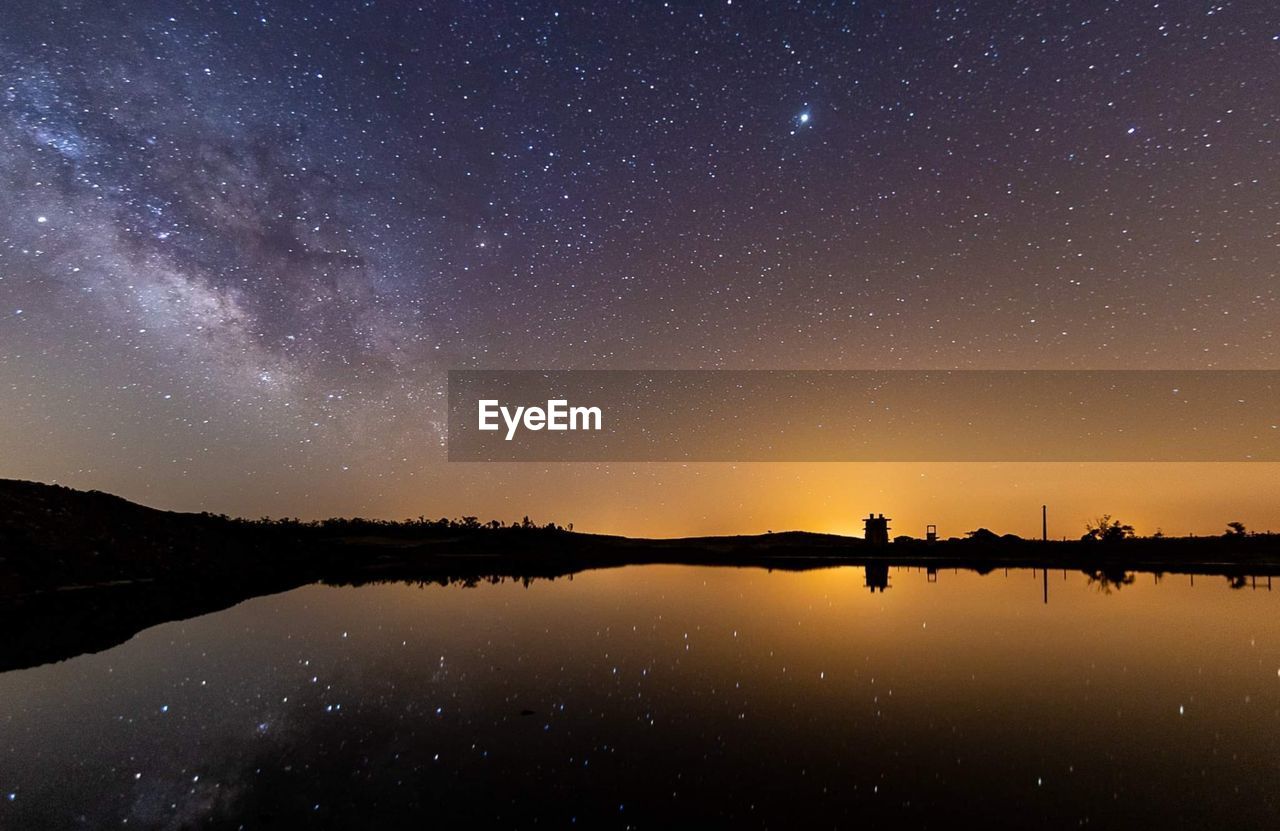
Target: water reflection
[1106,580]
[876,576]
[730,697]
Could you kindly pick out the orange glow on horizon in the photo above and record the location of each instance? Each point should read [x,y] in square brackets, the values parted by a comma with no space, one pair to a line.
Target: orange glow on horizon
[674,500]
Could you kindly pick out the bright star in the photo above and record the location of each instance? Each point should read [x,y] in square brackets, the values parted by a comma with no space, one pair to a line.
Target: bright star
[804,118]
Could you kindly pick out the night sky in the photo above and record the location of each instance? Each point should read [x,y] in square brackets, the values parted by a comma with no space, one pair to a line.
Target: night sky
[242,243]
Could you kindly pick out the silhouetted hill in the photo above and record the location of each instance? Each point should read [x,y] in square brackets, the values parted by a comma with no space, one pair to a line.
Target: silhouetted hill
[53,532]
[55,519]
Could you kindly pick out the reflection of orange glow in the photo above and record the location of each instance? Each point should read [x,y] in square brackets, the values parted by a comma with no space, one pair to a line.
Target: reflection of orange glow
[833,636]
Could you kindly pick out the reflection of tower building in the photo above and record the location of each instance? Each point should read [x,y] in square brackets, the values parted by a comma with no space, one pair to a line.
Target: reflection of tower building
[877,576]
[877,529]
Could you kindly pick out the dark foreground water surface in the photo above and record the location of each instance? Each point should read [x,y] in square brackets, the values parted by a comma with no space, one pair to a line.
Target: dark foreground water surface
[655,696]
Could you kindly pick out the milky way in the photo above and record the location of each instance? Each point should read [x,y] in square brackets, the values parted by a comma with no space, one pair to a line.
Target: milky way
[241,243]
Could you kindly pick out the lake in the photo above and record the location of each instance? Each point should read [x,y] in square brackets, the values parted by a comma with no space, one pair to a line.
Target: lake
[635,696]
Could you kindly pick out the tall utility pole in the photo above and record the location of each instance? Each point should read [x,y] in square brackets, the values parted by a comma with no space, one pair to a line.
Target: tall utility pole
[1044,537]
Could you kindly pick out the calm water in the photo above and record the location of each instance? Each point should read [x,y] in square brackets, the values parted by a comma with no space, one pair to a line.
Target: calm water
[622,698]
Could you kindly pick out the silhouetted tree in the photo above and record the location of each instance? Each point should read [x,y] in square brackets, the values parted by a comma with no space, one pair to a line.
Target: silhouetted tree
[1236,529]
[1107,529]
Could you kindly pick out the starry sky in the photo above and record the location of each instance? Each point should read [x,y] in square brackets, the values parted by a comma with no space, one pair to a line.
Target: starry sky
[242,243]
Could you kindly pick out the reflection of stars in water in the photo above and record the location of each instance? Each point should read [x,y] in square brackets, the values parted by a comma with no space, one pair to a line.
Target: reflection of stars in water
[410,720]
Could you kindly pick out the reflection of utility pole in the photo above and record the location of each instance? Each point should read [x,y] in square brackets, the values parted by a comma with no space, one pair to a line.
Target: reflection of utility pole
[1046,586]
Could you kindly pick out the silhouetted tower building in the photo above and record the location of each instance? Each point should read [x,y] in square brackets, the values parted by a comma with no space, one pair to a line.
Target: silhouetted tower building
[877,529]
